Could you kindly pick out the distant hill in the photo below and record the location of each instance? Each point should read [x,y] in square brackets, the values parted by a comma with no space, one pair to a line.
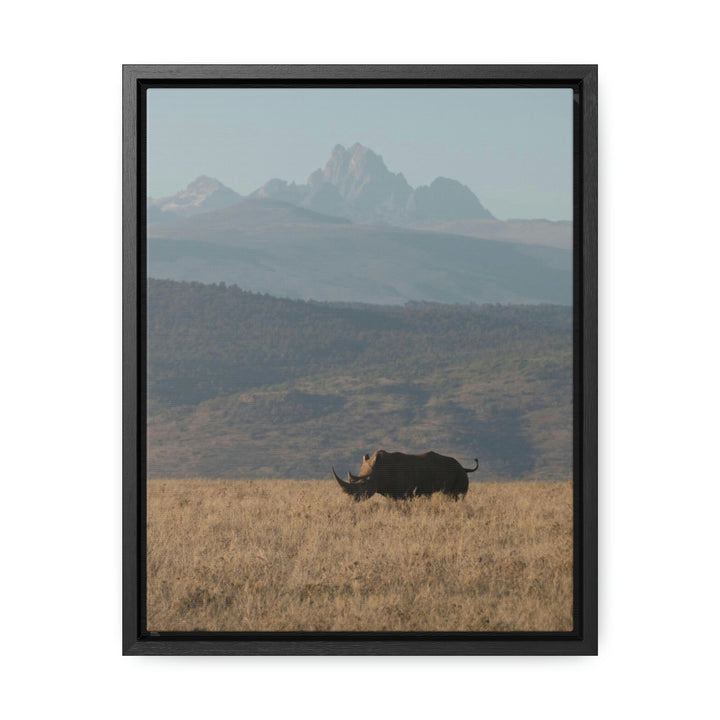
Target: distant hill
[290,251]
[546,233]
[248,385]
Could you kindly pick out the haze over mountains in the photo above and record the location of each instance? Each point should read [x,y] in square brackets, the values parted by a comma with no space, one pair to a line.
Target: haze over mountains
[356,232]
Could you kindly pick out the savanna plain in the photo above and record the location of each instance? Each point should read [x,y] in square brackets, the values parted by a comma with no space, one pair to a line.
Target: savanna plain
[284,555]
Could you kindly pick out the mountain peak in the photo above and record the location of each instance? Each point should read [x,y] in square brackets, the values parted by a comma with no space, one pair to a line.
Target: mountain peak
[201,188]
[353,150]
[355,183]
[203,194]
[447,199]
[346,168]
[204,182]
[359,151]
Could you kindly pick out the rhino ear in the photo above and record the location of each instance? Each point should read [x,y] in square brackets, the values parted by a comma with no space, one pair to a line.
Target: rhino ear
[366,456]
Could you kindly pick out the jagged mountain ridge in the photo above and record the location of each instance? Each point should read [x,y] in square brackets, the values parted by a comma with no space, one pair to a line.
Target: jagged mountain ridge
[356,184]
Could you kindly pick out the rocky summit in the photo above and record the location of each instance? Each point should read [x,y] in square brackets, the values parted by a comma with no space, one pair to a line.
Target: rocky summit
[357,184]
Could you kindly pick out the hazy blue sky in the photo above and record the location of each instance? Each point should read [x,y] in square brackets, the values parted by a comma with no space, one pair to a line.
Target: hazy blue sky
[511,147]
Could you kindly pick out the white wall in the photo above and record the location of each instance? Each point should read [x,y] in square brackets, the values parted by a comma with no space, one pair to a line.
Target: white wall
[61,300]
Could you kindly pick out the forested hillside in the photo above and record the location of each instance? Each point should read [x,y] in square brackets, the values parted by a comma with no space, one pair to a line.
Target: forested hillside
[248,385]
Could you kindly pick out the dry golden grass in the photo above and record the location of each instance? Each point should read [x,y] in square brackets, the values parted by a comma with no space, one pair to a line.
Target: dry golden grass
[279,555]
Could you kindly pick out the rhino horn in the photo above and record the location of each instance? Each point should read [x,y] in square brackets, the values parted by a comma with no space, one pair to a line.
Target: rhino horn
[340,480]
[346,486]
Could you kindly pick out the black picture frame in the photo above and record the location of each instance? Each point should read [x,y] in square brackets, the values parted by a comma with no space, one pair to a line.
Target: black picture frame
[583,80]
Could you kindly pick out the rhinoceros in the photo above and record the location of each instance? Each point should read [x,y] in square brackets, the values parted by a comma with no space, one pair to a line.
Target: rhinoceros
[398,475]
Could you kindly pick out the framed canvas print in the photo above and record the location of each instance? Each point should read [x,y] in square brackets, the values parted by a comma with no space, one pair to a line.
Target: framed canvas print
[360,374]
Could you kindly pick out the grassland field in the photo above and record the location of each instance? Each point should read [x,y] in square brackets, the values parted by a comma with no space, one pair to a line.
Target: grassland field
[283,555]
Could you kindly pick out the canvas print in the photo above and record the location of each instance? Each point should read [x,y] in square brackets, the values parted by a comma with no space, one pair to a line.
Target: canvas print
[359,359]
